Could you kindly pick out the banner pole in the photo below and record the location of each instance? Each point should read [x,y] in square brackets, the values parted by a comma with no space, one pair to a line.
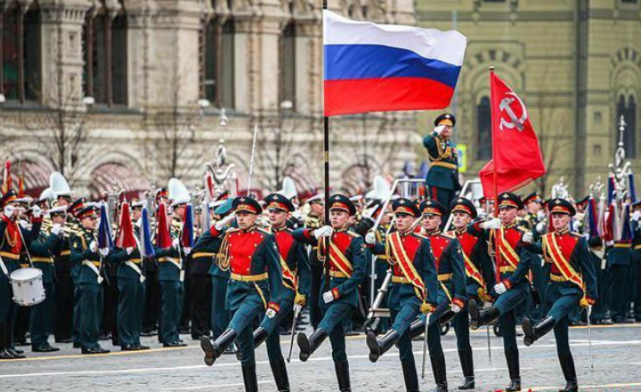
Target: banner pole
[326,169]
[497,242]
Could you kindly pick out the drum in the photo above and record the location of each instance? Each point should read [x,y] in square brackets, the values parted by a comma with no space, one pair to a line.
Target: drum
[28,289]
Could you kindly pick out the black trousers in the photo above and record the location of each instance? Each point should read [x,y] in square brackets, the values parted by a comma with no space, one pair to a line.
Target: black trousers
[317,279]
[152,302]
[110,309]
[63,306]
[200,298]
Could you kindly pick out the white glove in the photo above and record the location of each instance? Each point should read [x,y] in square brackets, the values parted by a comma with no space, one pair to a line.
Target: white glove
[187,250]
[297,308]
[175,243]
[576,226]
[481,213]
[636,215]
[439,129]
[223,222]
[540,227]
[455,308]
[500,288]
[139,223]
[8,211]
[93,247]
[328,297]
[271,313]
[370,238]
[324,231]
[129,250]
[540,215]
[297,214]
[37,211]
[494,223]
[104,251]
[528,237]
[24,224]
[56,229]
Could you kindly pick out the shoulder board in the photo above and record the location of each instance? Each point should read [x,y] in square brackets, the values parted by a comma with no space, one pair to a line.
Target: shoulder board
[448,235]
[264,231]
[353,234]
[418,235]
[523,229]
[577,235]
[231,230]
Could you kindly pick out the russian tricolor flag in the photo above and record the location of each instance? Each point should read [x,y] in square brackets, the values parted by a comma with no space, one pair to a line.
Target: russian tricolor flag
[370,67]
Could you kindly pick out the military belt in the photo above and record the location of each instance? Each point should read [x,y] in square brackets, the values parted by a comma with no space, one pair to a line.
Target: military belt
[637,247]
[135,261]
[444,277]
[202,254]
[248,278]
[400,280]
[24,265]
[10,255]
[42,259]
[557,278]
[337,274]
[507,268]
[65,252]
[623,245]
[444,164]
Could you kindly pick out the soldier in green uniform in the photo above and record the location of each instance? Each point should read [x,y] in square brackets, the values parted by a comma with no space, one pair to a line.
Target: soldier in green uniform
[41,251]
[443,177]
[636,259]
[313,221]
[84,254]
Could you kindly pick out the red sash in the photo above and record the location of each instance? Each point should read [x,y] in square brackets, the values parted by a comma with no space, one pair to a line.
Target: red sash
[406,265]
[552,252]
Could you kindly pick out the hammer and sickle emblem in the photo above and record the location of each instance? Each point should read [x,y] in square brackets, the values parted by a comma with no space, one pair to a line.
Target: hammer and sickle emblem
[506,106]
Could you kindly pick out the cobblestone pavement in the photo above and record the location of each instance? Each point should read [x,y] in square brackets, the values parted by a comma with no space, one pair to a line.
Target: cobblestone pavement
[617,367]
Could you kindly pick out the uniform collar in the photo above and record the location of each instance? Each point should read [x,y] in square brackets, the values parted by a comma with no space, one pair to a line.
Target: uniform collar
[511,225]
[433,233]
[563,231]
[461,231]
[250,229]
[279,229]
[342,229]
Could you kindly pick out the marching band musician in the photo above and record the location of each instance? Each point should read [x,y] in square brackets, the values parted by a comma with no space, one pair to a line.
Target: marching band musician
[413,290]
[346,258]
[251,255]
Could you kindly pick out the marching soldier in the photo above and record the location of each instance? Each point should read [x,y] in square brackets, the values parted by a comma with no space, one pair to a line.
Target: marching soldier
[41,249]
[295,266]
[199,266]
[11,249]
[572,284]
[619,257]
[84,253]
[443,177]
[636,259]
[513,261]
[413,290]
[72,219]
[346,254]
[534,220]
[251,255]
[451,290]
[64,291]
[480,275]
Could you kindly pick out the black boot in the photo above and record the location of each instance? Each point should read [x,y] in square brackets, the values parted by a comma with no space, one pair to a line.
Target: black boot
[440,375]
[534,333]
[569,372]
[512,357]
[379,347]
[480,317]
[308,346]
[279,369]
[410,375]
[260,335]
[249,377]
[446,317]
[342,374]
[467,364]
[216,349]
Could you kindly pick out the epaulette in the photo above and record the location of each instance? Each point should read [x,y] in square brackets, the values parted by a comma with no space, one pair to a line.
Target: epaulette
[264,231]
[447,235]
[231,230]
[574,234]
[418,235]
[523,229]
[353,234]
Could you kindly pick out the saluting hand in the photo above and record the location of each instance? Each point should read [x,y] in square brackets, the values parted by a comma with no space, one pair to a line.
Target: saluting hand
[370,238]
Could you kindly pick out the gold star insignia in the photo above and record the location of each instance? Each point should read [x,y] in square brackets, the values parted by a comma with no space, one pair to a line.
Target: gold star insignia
[558,201]
[337,197]
[401,202]
[242,199]
[506,196]
[460,200]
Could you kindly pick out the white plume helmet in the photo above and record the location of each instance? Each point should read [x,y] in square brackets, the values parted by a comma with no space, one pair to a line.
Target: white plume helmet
[380,192]
[289,188]
[178,193]
[59,186]
[47,194]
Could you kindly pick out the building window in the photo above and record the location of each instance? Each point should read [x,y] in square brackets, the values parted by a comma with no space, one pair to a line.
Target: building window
[217,63]
[20,74]
[627,108]
[484,130]
[105,52]
[288,65]
[629,1]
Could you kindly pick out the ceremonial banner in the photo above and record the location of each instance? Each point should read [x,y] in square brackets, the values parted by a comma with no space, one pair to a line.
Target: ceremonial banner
[516,152]
[370,67]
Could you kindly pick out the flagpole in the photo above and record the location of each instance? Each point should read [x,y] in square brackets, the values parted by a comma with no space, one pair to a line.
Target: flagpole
[497,243]
[326,163]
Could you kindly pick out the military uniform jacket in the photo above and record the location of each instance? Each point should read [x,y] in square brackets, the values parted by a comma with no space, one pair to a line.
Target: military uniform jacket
[450,267]
[208,246]
[443,171]
[418,250]
[11,243]
[201,257]
[170,260]
[514,266]
[296,270]
[125,269]
[252,259]
[41,250]
[81,255]
[478,266]
[620,253]
[636,241]
[347,264]
[569,254]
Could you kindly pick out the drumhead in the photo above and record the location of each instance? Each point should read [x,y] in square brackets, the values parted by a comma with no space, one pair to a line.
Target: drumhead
[25,274]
